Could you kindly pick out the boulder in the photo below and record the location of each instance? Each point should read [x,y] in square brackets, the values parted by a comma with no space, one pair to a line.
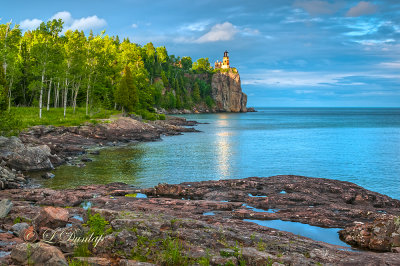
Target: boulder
[383,234]
[26,158]
[52,217]
[37,254]
[5,207]
[19,227]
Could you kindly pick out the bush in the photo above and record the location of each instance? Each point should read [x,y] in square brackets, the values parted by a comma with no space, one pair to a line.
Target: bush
[9,124]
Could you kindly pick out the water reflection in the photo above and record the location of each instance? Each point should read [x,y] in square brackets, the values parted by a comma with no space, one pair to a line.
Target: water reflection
[113,165]
[222,146]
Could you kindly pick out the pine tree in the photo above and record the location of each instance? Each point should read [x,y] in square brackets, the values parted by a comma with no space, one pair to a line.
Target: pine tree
[196,93]
[126,94]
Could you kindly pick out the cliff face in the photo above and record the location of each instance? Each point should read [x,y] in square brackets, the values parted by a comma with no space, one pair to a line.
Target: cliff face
[227,92]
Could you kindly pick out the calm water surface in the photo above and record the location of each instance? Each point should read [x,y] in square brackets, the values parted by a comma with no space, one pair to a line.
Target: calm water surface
[356,145]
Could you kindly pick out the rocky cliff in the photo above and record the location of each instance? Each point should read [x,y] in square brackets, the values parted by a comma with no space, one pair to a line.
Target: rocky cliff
[227,92]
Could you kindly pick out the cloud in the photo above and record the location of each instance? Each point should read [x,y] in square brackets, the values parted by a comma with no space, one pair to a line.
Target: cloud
[317,7]
[30,24]
[135,26]
[64,15]
[361,9]
[88,23]
[196,26]
[219,32]
[282,78]
[394,65]
[250,32]
[70,23]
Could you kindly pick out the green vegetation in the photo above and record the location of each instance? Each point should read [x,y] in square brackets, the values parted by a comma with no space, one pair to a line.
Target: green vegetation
[397,220]
[66,79]
[18,220]
[82,250]
[97,224]
[75,262]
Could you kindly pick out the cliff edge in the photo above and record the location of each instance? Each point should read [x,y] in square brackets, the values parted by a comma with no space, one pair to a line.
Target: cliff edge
[227,92]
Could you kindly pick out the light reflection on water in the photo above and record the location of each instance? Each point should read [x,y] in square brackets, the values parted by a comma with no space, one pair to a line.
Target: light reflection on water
[352,144]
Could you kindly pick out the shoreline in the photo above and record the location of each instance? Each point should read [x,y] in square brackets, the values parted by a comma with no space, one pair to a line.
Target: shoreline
[210,220]
[43,148]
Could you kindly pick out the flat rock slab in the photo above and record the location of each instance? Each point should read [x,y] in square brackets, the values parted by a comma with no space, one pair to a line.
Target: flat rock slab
[174,216]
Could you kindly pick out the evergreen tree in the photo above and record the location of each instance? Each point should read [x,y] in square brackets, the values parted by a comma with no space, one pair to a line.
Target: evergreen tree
[126,94]
[196,93]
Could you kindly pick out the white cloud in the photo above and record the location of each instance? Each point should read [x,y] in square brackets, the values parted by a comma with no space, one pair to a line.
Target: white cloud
[30,24]
[219,32]
[395,65]
[88,23]
[361,9]
[65,16]
[250,32]
[196,26]
[282,78]
[134,25]
[70,23]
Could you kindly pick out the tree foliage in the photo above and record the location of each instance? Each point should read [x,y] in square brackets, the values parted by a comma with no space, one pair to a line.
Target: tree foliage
[45,68]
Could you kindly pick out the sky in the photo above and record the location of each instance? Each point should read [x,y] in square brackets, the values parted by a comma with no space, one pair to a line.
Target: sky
[289,53]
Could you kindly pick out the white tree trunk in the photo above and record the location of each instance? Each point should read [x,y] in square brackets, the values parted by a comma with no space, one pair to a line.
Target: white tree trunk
[41,96]
[56,94]
[65,97]
[48,96]
[9,94]
[87,97]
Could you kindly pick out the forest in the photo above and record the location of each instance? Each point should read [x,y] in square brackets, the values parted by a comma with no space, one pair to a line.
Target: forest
[47,68]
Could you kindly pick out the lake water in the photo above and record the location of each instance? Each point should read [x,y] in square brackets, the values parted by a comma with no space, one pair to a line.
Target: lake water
[351,144]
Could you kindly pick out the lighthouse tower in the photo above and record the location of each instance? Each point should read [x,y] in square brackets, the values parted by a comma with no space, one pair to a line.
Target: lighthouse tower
[225,61]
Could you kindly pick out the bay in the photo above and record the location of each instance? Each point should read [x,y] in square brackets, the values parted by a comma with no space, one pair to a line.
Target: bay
[360,145]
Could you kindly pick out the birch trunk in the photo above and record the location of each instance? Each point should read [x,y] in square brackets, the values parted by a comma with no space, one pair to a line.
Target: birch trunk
[87,97]
[48,96]
[9,94]
[65,97]
[41,96]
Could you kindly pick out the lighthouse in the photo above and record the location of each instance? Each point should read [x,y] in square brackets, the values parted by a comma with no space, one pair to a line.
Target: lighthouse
[225,62]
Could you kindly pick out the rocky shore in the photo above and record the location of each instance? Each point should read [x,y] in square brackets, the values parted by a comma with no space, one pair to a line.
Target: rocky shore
[202,223]
[45,147]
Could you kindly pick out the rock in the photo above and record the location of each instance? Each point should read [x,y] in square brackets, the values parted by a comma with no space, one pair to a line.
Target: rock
[95,152]
[251,109]
[29,234]
[48,175]
[52,217]
[38,254]
[26,158]
[134,263]
[93,261]
[227,92]
[19,227]
[5,207]
[86,159]
[379,235]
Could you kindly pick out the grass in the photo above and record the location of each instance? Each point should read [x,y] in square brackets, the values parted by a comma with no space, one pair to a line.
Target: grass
[29,116]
